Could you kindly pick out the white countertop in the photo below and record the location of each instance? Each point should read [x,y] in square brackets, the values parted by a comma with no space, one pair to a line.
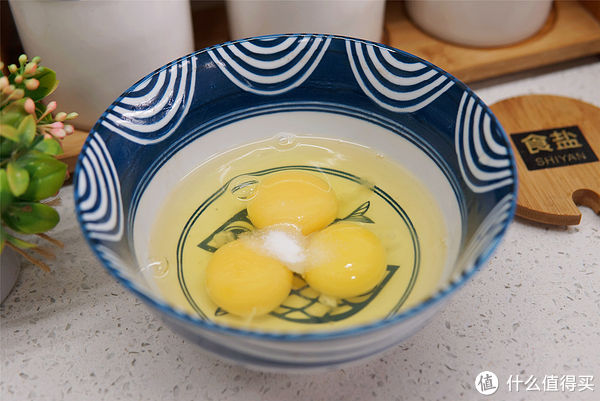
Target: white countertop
[534,309]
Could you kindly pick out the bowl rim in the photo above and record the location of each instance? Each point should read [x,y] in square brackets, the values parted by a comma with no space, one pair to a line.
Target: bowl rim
[217,328]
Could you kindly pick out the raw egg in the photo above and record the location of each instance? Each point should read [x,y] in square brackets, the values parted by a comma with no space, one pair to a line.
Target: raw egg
[246,282]
[293,197]
[345,260]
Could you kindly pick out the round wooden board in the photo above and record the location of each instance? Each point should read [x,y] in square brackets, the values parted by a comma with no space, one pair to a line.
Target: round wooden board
[556,141]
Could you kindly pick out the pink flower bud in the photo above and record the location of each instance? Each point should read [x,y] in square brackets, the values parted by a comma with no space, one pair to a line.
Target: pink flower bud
[3,82]
[51,106]
[29,106]
[47,136]
[8,89]
[60,116]
[58,133]
[69,129]
[57,124]
[32,84]
[19,79]
[30,68]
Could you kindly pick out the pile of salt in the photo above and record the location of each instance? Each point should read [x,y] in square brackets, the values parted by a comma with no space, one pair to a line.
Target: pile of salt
[285,243]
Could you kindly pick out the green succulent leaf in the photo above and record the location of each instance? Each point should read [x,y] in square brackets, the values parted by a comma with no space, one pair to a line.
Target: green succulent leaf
[6,196]
[19,243]
[13,113]
[30,217]
[9,132]
[46,174]
[27,130]
[18,178]
[49,146]
[6,147]
[48,84]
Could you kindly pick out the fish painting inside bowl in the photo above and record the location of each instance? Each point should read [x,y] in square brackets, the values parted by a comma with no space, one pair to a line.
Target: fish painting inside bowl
[295,201]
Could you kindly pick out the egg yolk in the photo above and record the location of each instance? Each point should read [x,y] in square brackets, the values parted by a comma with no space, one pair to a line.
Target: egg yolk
[293,197]
[245,282]
[345,260]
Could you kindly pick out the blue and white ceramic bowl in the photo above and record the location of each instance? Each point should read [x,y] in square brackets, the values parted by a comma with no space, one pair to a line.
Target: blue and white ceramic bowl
[248,90]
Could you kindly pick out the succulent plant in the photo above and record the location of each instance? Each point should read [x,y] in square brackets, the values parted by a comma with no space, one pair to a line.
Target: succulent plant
[30,137]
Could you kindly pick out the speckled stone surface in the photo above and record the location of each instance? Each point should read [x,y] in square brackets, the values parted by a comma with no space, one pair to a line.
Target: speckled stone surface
[75,334]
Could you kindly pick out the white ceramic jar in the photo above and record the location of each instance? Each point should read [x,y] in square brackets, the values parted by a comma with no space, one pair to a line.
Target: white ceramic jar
[100,48]
[479,23]
[357,18]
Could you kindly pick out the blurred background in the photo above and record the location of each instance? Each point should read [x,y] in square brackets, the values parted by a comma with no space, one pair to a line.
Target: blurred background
[99,48]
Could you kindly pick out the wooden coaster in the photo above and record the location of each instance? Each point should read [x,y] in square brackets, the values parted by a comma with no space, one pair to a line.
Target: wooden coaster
[556,141]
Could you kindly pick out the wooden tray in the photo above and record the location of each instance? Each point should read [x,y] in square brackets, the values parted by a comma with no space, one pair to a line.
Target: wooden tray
[571,31]
[71,147]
